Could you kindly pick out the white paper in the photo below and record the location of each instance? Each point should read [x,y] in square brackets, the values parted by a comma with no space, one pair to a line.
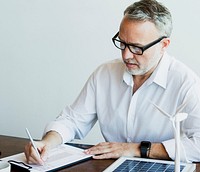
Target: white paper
[60,156]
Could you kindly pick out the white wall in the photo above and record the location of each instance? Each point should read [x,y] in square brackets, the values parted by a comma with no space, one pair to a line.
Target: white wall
[48,49]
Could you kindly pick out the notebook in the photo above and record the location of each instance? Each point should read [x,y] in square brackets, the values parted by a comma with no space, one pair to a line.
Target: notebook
[60,157]
[125,164]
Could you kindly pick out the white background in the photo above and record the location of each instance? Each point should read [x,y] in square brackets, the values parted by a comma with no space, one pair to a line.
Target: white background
[48,49]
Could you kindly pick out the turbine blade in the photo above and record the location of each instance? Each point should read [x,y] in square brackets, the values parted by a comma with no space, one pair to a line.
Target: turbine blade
[162,111]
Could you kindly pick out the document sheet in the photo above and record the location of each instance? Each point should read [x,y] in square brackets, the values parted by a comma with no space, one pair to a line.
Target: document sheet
[59,157]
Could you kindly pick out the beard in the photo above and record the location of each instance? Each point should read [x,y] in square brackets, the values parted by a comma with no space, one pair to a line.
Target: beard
[142,68]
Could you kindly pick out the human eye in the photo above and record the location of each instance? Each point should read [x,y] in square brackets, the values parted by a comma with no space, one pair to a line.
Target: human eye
[122,45]
[134,49]
[119,44]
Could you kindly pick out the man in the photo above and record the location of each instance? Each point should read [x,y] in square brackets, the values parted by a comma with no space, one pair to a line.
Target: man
[119,94]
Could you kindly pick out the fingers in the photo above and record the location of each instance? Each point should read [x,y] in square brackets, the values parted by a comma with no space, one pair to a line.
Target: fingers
[109,155]
[107,150]
[44,153]
[104,150]
[31,155]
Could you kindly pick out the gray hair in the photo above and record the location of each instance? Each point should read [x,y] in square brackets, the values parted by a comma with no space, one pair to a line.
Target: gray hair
[153,11]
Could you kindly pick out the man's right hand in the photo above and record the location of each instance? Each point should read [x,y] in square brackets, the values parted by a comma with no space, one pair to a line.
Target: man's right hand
[49,141]
[31,155]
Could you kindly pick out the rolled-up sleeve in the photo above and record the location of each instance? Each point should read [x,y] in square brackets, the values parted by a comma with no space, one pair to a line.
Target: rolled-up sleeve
[170,148]
[190,129]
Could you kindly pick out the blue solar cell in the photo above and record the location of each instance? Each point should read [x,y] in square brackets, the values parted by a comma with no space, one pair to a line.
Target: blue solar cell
[142,166]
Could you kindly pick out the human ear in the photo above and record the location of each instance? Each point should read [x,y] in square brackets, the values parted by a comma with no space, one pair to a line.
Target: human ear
[165,43]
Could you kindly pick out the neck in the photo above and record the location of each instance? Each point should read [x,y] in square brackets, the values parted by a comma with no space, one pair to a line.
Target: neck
[140,79]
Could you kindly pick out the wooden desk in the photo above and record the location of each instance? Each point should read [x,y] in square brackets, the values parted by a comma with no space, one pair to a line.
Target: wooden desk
[13,145]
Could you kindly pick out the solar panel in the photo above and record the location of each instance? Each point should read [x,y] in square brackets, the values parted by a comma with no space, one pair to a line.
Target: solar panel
[125,164]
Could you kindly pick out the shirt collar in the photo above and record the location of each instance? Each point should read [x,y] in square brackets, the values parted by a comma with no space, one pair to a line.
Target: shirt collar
[127,77]
[159,76]
[161,72]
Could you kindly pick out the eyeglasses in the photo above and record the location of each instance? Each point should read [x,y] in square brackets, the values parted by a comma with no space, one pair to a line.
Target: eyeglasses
[134,48]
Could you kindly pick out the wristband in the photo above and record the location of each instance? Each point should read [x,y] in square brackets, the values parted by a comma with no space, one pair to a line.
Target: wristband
[145,149]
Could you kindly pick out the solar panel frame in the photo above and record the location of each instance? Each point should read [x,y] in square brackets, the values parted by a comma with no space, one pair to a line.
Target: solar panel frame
[127,164]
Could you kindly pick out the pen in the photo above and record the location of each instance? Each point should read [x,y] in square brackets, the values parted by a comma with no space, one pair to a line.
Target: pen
[32,142]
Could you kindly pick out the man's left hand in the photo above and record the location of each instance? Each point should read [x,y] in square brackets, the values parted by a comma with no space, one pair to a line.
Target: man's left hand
[107,150]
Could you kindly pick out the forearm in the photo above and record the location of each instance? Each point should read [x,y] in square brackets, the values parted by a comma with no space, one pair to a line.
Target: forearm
[52,139]
[106,150]
[158,151]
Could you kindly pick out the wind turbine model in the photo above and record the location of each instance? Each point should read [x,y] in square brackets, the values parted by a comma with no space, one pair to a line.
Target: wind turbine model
[175,119]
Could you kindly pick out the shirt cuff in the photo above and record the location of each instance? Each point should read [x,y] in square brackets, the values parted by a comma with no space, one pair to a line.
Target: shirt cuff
[60,129]
[170,148]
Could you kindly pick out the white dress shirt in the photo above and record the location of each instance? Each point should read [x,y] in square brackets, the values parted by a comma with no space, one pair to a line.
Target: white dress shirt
[126,117]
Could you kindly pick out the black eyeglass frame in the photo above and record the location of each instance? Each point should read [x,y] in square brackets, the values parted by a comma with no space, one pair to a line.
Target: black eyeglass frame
[141,48]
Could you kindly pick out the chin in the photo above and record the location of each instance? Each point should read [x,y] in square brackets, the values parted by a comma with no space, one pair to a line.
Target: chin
[136,72]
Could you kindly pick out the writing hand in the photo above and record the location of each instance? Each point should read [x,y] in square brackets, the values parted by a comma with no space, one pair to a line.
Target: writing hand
[31,155]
